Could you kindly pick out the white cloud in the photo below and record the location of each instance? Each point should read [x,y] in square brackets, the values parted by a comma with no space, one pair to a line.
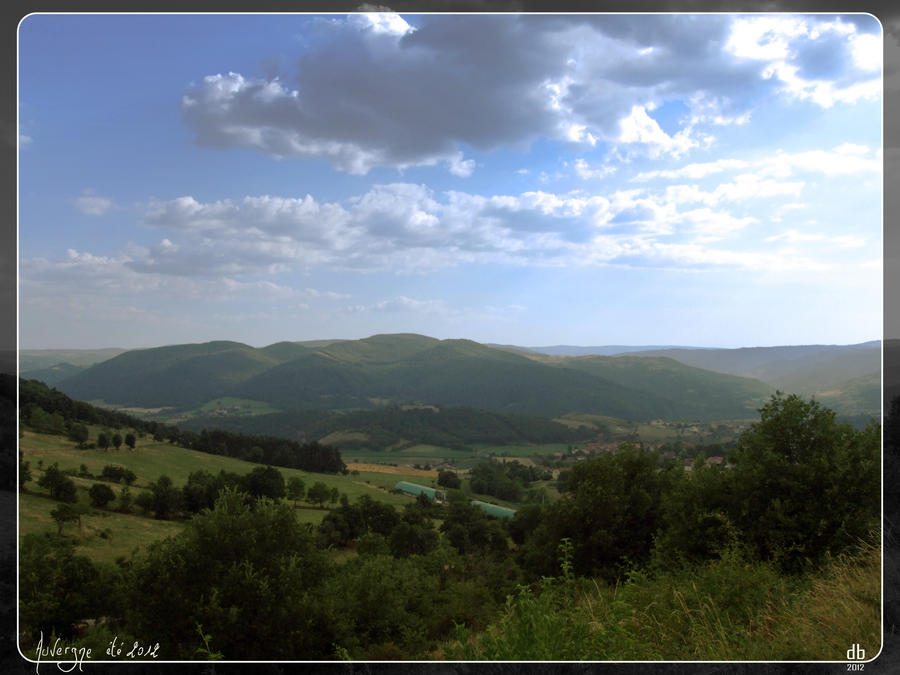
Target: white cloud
[845,159]
[867,51]
[460,167]
[811,58]
[639,127]
[92,205]
[694,171]
[586,171]
[406,228]
[764,38]
[381,20]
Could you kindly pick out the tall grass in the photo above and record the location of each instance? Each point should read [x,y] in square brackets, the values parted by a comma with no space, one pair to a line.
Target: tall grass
[728,609]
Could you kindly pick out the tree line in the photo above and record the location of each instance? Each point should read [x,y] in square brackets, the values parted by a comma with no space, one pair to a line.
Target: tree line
[54,412]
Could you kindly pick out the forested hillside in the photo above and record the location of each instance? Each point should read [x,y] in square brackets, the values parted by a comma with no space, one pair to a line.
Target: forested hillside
[403,369]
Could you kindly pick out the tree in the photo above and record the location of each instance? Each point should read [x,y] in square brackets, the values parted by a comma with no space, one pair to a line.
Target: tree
[264,481]
[116,474]
[163,499]
[296,488]
[80,434]
[804,485]
[130,440]
[58,484]
[57,587]
[318,493]
[449,479]
[101,495]
[102,441]
[250,573]
[201,491]
[611,513]
[65,513]
[125,500]
[469,530]
[24,472]
[41,420]
[408,539]
[117,440]
[334,495]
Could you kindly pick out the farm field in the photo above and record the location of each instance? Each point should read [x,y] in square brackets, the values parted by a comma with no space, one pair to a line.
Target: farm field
[457,459]
[106,535]
[150,459]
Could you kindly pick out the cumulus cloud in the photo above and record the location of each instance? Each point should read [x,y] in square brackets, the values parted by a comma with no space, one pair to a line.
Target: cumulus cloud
[407,227]
[587,171]
[639,127]
[825,61]
[376,90]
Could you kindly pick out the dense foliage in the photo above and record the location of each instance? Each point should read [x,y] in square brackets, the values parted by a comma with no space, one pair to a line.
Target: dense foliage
[450,427]
[506,480]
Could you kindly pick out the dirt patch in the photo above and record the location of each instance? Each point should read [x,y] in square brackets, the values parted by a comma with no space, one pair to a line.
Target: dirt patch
[393,470]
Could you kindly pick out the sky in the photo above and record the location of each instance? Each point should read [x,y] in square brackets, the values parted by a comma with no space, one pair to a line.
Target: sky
[708,180]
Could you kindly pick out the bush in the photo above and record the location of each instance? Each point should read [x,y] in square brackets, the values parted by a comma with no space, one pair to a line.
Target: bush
[58,484]
[101,495]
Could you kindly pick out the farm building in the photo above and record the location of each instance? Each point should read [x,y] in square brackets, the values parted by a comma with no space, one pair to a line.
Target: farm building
[494,510]
[415,490]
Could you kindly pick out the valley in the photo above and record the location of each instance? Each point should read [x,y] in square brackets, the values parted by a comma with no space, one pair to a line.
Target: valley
[549,468]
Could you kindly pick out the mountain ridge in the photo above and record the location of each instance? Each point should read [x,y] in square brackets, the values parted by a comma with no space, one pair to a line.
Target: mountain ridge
[406,368]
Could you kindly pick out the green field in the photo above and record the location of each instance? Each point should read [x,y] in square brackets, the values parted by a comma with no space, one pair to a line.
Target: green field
[103,536]
[106,535]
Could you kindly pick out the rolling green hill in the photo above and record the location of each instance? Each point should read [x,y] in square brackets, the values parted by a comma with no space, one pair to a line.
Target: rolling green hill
[702,394]
[180,375]
[804,368]
[407,368]
[820,370]
[856,396]
[53,374]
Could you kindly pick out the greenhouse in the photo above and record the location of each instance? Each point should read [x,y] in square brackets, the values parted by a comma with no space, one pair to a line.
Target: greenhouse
[415,490]
[494,510]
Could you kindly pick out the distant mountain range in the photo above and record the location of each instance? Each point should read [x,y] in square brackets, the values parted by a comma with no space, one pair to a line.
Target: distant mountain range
[682,383]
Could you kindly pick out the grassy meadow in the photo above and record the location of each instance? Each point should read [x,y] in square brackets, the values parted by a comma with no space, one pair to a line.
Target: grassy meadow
[105,535]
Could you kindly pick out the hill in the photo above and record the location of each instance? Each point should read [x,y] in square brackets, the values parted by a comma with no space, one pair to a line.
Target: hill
[604,350]
[414,369]
[820,370]
[702,394]
[35,359]
[169,376]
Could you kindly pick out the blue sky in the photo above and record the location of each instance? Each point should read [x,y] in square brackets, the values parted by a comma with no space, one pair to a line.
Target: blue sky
[709,180]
